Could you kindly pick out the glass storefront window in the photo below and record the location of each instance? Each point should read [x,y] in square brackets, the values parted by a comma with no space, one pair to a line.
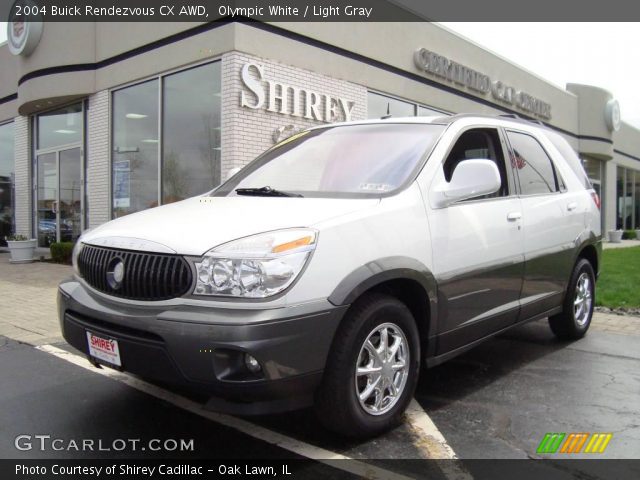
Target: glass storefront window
[7,180]
[191,132]
[47,199]
[593,169]
[620,201]
[187,138]
[135,148]
[627,198]
[428,112]
[60,127]
[637,199]
[379,106]
[58,164]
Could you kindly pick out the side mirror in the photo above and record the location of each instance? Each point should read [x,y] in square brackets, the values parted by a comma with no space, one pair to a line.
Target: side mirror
[471,178]
[232,172]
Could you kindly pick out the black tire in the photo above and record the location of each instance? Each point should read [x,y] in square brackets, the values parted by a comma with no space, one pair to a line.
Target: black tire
[337,404]
[565,325]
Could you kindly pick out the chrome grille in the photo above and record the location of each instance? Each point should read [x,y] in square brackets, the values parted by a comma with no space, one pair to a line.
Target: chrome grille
[147,276]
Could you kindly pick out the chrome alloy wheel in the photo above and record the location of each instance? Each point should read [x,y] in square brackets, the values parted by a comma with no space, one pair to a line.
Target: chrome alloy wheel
[382,369]
[583,299]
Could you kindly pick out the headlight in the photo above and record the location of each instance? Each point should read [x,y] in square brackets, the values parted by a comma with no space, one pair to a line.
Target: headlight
[77,248]
[257,266]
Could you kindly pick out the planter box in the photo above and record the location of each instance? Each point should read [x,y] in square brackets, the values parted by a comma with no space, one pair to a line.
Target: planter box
[638,234]
[22,251]
[615,236]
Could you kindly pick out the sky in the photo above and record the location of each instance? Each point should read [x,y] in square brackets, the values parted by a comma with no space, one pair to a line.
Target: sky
[600,54]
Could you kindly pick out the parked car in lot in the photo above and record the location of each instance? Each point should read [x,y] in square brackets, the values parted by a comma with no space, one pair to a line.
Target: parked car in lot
[340,262]
[47,231]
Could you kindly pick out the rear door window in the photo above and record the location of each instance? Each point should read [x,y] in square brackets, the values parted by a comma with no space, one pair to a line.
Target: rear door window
[532,165]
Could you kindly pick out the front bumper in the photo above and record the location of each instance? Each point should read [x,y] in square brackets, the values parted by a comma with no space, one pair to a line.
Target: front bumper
[202,348]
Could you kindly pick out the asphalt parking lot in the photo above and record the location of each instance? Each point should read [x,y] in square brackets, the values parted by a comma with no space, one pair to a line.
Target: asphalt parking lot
[496,401]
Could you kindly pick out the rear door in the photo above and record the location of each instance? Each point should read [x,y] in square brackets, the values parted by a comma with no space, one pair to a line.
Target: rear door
[548,221]
[477,248]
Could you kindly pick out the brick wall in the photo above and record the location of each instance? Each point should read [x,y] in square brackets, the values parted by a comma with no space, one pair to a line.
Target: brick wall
[97,160]
[247,132]
[23,176]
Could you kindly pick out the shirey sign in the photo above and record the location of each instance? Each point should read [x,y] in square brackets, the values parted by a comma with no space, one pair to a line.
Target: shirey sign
[278,97]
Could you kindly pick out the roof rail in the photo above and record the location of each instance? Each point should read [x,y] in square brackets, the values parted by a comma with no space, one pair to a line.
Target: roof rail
[513,116]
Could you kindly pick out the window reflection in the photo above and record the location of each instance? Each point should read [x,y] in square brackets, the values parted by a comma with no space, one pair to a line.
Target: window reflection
[135,148]
[534,167]
[7,180]
[191,132]
[379,106]
[60,127]
[428,112]
[636,204]
[627,198]
[189,136]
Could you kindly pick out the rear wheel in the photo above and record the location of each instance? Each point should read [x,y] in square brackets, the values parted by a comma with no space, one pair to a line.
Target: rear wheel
[577,311]
[372,369]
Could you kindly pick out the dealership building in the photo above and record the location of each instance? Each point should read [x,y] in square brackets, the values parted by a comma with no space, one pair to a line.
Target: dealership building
[99,120]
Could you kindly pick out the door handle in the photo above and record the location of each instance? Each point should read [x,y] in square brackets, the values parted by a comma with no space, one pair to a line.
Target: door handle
[572,206]
[513,216]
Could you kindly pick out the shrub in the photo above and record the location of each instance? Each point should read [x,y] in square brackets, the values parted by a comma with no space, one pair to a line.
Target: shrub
[629,234]
[16,238]
[61,252]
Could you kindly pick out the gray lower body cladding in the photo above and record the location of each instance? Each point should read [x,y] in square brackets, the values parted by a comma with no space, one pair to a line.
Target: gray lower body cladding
[202,348]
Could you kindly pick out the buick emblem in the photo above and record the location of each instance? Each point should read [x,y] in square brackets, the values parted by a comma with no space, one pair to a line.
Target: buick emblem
[115,273]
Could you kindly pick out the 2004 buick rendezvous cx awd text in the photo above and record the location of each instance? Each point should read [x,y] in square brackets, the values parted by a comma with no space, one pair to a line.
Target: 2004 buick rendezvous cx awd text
[337,263]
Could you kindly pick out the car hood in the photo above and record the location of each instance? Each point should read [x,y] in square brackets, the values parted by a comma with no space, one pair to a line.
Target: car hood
[195,225]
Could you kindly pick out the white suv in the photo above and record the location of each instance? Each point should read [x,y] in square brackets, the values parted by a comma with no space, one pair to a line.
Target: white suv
[337,263]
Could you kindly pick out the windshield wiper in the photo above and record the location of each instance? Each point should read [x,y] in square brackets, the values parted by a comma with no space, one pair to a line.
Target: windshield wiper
[265,192]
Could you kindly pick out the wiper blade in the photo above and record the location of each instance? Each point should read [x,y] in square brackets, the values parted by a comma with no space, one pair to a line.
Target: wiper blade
[265,192]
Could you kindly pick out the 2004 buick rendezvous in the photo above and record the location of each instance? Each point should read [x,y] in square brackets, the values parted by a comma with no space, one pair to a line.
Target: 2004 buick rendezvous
[332,267]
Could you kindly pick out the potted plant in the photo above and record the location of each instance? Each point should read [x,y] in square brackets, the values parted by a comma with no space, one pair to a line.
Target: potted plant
[21,248]
[615,236]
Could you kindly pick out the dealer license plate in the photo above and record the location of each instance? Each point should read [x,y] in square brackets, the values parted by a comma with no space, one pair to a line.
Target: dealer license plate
[104,349]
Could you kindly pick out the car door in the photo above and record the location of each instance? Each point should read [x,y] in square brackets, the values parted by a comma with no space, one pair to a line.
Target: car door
[549,232]
[477,248]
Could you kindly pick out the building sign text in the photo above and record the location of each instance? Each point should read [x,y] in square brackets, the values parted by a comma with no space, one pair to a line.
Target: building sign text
[440,66]
[278,97]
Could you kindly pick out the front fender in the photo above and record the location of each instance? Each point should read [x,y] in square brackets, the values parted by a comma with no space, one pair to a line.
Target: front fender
[382,270]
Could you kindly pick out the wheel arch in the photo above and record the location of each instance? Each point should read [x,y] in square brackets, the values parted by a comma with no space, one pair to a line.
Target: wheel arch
[590,253]
[402,277]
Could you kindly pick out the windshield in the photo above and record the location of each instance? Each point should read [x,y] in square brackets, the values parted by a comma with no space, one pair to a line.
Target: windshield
[354,160]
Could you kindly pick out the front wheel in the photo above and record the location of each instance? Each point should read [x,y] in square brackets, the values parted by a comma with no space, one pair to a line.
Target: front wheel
[577,311]
[372,368]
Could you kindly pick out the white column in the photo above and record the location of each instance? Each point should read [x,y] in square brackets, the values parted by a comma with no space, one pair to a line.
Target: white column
[98,167]
[23,187]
